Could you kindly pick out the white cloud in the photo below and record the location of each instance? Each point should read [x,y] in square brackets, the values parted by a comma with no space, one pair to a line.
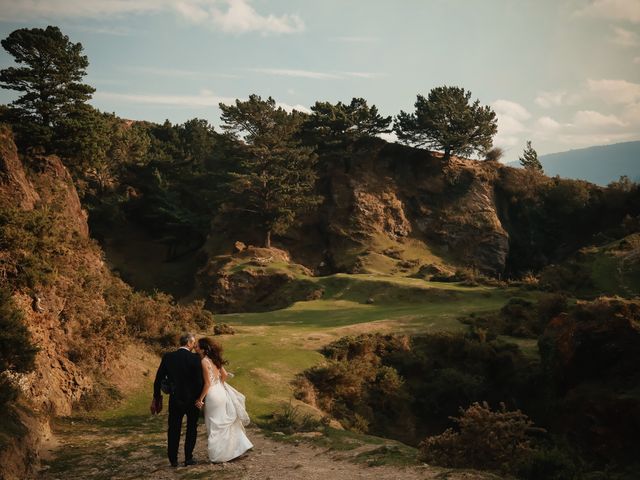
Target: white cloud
[240,17]
[614,91]
[550,99]
[547,124]
[231,16]
[627,10]
[205,99]
[592,119]
[368,75]
[636,60]
[624,38]
[511,109]
[511,116]
[290,108]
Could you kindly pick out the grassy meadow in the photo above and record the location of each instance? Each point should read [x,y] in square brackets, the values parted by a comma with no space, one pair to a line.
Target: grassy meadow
[270,348]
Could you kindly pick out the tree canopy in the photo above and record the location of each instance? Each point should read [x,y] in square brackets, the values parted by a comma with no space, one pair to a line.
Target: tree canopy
[49,73]
[447,120]
[529,158]
[274,177]
[331,123]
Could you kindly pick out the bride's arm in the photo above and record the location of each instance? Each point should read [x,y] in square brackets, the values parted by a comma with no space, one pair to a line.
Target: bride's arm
[223,374]
[207,383]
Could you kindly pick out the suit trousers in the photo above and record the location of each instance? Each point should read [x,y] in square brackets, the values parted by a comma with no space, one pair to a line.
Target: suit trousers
[178,408]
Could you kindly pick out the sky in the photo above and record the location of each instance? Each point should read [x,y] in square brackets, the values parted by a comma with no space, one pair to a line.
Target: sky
[564,74]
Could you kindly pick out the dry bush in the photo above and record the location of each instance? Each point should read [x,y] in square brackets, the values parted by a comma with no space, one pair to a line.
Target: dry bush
[485,439]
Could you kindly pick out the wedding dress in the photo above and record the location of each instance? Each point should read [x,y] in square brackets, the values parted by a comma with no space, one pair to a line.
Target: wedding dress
[225,417]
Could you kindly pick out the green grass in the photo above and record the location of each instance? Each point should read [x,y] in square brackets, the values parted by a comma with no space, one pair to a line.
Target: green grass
[270,348]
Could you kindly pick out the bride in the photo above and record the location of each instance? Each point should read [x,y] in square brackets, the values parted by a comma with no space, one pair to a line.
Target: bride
[224,411]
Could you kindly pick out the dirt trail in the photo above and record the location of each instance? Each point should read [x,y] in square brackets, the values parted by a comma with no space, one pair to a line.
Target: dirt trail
[134,448]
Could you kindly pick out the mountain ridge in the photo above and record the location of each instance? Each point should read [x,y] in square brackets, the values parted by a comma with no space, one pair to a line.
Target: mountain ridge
[599,164]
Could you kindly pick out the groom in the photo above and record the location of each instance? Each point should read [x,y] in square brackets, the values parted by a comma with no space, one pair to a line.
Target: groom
[183,370]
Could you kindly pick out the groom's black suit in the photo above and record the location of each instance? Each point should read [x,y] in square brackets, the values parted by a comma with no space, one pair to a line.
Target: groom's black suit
[184,371]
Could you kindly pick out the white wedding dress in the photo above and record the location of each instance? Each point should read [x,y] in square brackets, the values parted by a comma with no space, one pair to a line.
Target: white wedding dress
[225,417]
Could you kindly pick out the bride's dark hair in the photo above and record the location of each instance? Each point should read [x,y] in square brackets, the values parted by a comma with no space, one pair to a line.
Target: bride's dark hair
[213,350]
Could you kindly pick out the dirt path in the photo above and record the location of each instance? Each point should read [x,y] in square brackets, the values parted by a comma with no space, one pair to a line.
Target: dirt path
[134,448]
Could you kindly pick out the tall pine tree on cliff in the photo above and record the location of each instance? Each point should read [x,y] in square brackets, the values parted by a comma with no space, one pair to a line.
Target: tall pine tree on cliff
[275,175]
[48,77]
[447,120]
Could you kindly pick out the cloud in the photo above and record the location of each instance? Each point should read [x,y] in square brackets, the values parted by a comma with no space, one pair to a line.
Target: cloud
[547,124]
[240,17]
[636,60]
[511,116]
[597,120]
[624,38]
[290,108]
[614,91]
[204,99]
[550,99]
[363,74]
[626,10]
[230,16]
[511,109]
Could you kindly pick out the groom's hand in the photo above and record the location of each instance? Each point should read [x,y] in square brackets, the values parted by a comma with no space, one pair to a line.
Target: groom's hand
[156,406]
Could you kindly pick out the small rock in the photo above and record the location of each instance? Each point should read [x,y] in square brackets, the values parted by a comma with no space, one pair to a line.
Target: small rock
[239,247]
[370,300]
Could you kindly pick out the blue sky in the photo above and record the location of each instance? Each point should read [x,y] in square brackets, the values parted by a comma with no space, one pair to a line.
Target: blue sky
[564,74]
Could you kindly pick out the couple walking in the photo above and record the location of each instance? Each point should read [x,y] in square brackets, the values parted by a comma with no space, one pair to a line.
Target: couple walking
[195,382]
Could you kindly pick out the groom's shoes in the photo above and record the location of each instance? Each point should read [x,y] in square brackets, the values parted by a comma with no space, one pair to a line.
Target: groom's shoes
[174,464]
[191,461]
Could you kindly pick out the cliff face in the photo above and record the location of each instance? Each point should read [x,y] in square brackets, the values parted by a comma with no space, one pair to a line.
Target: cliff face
[405,207]
[50,309]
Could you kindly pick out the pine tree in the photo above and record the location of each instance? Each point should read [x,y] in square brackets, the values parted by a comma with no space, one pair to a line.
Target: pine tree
[448,121]
[529,158]
[49,79]
[275,175]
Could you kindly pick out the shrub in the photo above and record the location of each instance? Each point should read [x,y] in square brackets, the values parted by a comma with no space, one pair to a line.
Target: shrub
[485,439]
[223,329]
[289,419]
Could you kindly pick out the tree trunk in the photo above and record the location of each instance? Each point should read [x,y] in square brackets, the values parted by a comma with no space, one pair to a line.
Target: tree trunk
[447,154]
[267,242]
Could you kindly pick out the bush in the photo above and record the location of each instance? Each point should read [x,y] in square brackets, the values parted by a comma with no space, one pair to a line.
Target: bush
[288,419]
[549,464]
[30,241]
[223,329]
[486,439]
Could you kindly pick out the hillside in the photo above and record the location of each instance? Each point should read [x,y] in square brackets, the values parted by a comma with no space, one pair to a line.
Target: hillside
[600,165]
[66,303]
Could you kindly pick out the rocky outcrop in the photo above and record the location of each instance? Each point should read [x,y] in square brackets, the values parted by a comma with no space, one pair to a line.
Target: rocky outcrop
[252,280]
[15,189]
[396,192]
[56,383]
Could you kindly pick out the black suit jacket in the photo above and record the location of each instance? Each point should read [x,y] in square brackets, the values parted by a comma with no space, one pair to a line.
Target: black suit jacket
[184,371]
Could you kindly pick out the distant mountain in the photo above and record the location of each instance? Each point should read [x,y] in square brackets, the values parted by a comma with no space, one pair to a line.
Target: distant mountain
[599,165]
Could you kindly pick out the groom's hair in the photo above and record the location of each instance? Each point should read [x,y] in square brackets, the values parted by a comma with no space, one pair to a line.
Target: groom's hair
[186,338]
